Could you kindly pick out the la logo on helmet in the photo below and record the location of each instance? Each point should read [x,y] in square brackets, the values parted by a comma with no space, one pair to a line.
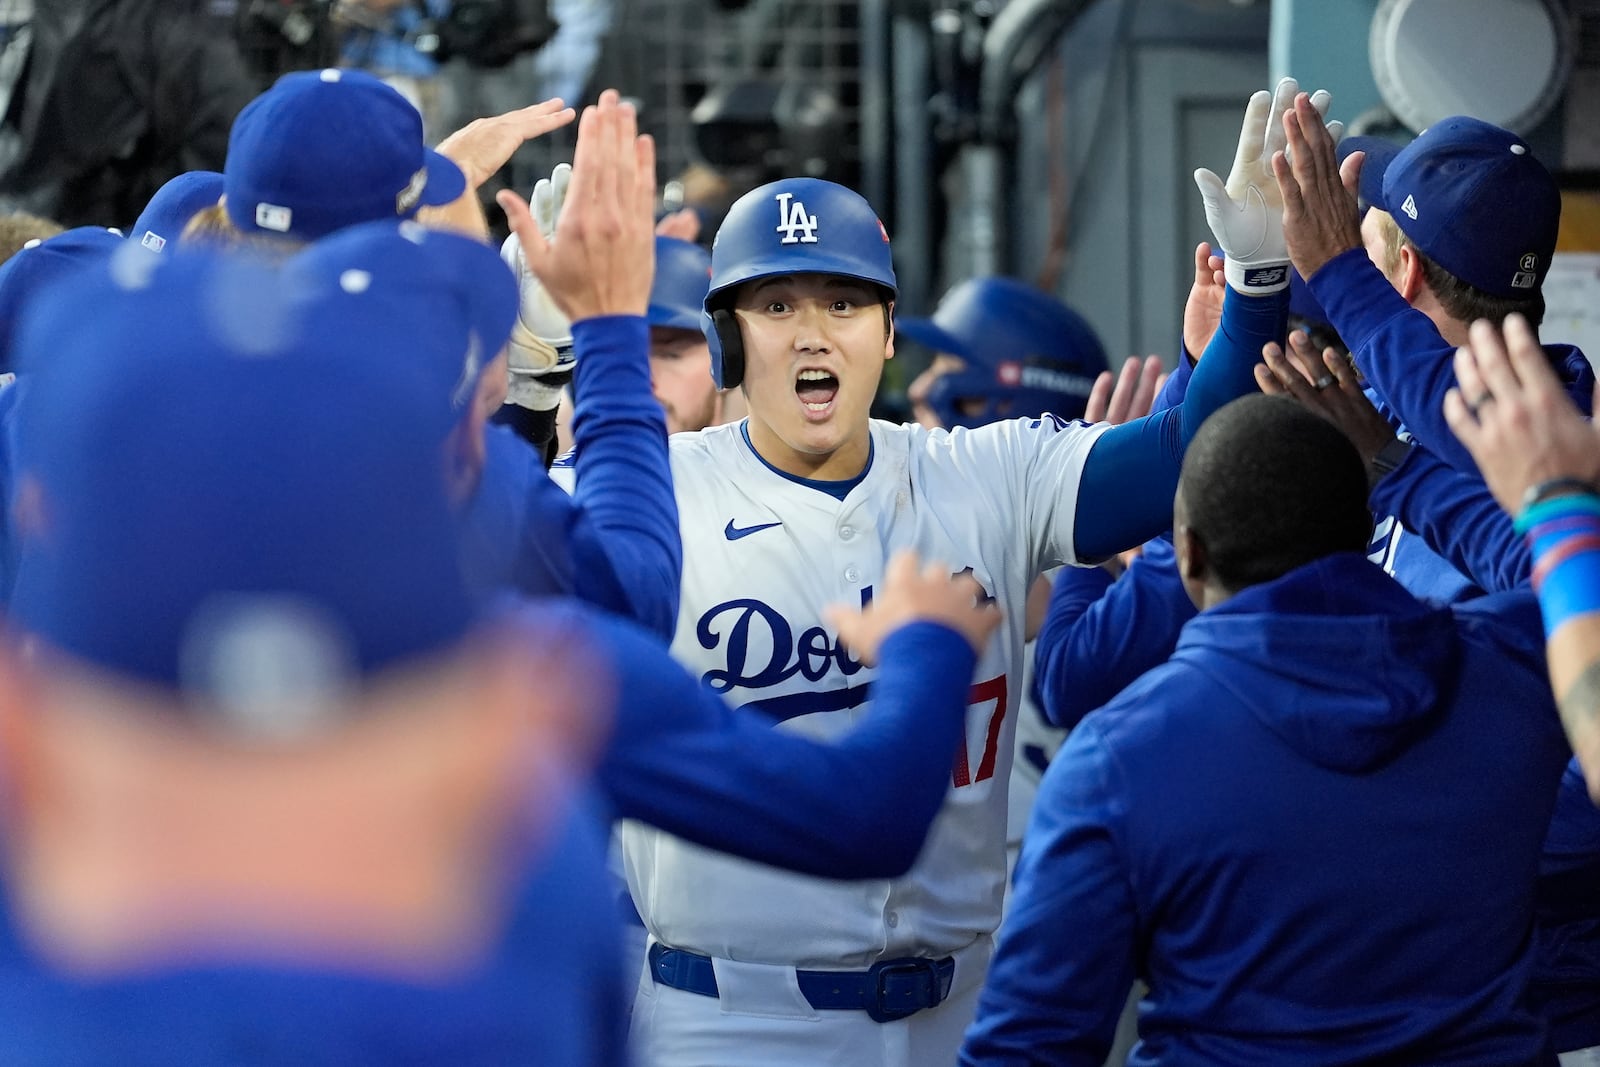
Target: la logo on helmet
[796,225]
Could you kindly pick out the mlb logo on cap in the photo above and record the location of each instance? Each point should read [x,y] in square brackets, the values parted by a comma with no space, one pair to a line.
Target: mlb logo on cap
[1528,276]
[274,217]
[177,202]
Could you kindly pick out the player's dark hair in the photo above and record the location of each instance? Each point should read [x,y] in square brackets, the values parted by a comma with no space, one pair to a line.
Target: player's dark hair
[1269,487]
[1461,301]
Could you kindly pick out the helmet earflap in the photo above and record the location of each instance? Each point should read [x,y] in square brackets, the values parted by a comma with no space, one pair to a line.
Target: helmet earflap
[727,348]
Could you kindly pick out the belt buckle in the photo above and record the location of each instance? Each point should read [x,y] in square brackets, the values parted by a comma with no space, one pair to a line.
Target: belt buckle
[882,972]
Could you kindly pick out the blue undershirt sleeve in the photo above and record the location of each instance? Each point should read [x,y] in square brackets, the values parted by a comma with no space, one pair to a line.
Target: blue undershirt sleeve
[858,806]
[1177,383]
[1099,636]
[1131,474]
[628,536]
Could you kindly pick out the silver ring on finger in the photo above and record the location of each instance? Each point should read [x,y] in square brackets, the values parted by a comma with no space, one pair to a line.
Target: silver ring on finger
[1323,382]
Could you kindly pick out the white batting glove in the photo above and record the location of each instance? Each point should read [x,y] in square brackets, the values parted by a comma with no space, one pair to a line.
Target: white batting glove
[540,349]
[1246,212]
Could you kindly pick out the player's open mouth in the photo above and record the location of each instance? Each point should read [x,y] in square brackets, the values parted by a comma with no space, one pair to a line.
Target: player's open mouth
[816,390]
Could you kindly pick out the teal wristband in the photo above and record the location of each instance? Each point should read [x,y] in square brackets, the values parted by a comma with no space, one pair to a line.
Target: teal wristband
[1585,503]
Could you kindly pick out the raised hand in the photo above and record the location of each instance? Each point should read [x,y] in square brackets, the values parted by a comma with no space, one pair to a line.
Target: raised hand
[1320,217]
[482,147]
[684,224]
[1130,397]
[1202,312]
[1246,212]
[541,338]
[913,592]
[1328,385]
[600,259]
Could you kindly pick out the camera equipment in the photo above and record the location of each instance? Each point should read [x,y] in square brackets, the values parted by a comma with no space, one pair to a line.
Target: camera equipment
[488,33]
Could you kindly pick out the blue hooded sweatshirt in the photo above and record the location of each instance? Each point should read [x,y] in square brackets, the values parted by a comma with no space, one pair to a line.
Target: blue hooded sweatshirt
[1314,832]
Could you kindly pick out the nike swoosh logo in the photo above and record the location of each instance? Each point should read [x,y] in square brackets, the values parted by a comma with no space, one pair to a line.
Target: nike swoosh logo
[733,533]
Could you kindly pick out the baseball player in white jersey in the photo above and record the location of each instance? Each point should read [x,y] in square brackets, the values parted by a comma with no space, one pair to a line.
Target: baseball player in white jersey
[799,507]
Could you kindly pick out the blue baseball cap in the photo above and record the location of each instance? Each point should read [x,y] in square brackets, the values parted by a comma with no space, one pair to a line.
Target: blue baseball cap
[404,266]
[325,149]
[1379,151]
[37,266]
[683,277]
[1472,197]
[174,204]
[800,226]
[238,485]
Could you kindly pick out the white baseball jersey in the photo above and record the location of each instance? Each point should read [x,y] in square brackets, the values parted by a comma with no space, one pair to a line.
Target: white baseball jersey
[763,556]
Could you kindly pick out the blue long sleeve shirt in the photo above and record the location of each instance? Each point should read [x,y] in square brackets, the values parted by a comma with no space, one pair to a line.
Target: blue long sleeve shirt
[1403,357]
[1457,517]
[1131,474]
[1099,636]
[613,543]
[856,807]
[1315,889]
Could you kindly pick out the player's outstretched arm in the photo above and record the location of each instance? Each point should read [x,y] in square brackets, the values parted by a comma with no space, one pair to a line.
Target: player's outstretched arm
[1096,639]
[594,270]
[1401,354]
[1542,461]
[1246,216]
[856,807]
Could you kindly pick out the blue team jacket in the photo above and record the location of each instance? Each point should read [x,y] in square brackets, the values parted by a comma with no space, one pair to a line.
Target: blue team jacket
[1315,833]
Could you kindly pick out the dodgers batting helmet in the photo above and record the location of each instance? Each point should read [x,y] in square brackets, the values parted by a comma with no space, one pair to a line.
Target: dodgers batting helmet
[1026,353]
[794,226]
[678,295]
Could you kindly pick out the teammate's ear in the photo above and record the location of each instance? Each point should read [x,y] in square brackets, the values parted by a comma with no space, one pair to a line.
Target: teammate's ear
[888,329]
[1409,278]
[1193,565]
